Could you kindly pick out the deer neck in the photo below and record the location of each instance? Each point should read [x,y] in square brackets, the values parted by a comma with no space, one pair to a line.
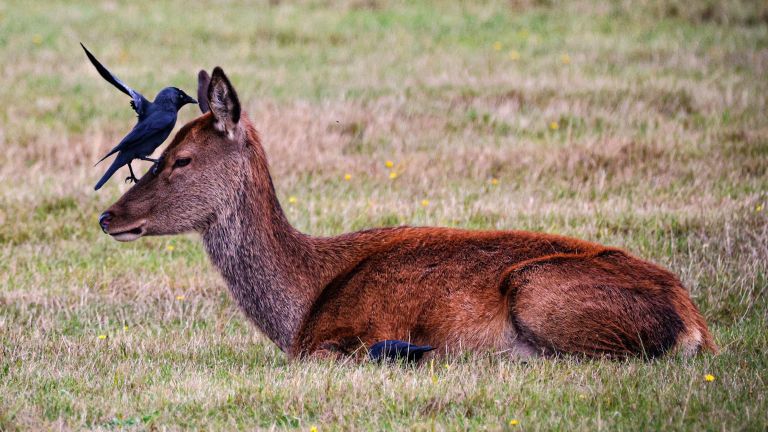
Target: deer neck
[271,268]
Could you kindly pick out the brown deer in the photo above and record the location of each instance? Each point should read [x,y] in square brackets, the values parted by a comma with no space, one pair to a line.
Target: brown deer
[514,292]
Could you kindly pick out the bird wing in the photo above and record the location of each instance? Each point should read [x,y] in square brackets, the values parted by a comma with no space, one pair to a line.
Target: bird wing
[138,102]
[157,126]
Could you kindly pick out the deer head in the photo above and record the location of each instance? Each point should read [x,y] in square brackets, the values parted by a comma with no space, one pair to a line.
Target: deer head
[197,175]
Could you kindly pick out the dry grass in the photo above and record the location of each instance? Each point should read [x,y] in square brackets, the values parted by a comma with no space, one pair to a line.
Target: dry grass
[661,147]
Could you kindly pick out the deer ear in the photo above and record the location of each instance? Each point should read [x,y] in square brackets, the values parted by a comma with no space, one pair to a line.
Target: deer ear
[223,102]
[203,80]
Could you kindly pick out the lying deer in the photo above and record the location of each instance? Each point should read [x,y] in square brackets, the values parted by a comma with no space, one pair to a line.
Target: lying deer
[521,293]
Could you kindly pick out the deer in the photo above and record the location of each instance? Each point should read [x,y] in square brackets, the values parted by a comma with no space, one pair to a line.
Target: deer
[512,293]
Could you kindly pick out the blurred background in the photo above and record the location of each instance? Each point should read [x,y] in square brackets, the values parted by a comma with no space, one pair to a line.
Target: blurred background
[638,124]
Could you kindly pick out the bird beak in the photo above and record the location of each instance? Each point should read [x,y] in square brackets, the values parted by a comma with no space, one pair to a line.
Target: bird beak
[190,100]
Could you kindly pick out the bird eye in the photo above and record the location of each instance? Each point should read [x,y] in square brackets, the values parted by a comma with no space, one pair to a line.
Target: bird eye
[182,162]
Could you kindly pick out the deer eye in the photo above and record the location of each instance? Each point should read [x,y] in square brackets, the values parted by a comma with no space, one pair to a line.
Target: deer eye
[182,162]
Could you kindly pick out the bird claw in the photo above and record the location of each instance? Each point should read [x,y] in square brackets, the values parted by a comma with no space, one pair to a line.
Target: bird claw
[157,166]
[131,179]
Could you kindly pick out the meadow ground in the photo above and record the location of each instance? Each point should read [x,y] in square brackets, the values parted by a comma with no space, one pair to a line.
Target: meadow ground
[635,124]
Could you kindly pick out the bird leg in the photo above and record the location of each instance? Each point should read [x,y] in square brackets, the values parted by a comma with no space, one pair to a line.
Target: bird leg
[132,177]
[155,163]
[158,165]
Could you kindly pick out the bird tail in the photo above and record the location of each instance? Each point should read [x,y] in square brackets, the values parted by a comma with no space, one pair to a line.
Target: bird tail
[111,152]
[110,171]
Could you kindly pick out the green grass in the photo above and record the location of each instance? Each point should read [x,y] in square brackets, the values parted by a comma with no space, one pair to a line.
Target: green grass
[661,147]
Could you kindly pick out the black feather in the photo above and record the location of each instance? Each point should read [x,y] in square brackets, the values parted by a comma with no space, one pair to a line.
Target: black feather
[393,350]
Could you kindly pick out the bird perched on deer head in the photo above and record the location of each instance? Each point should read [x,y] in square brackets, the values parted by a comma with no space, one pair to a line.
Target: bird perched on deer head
[156,121]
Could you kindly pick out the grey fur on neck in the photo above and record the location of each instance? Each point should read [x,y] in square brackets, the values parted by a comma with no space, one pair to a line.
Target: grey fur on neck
[265,262]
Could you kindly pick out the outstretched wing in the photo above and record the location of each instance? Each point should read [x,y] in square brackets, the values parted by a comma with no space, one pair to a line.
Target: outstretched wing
[138,102]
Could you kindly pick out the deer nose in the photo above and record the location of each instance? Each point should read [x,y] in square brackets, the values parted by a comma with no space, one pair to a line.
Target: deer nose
[104,220]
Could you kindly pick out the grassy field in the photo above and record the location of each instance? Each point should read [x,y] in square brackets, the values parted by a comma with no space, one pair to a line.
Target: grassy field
[636,124]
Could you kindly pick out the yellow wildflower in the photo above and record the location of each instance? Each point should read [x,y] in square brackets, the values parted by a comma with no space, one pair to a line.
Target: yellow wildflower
[554,125]
[392,175]
[292,199]
[389,164]
[424,202]
[102,337]
[125,327]
[514,55]
[170,248]
[497,46]
[759,208]
[347,177]
[709,377]
[179,297]
[514,422]
[313,429]
[565,58]
[494,181]
[37,39]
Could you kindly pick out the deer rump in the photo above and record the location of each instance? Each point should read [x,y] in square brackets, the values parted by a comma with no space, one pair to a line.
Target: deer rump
[523,293]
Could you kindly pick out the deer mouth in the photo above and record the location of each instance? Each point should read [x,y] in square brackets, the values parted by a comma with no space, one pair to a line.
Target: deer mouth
[130,234]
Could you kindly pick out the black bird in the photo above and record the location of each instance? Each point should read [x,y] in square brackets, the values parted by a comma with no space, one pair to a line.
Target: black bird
[156,121]
[396,349]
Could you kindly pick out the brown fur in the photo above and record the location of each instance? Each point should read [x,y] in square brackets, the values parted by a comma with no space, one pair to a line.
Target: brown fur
[507,291]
